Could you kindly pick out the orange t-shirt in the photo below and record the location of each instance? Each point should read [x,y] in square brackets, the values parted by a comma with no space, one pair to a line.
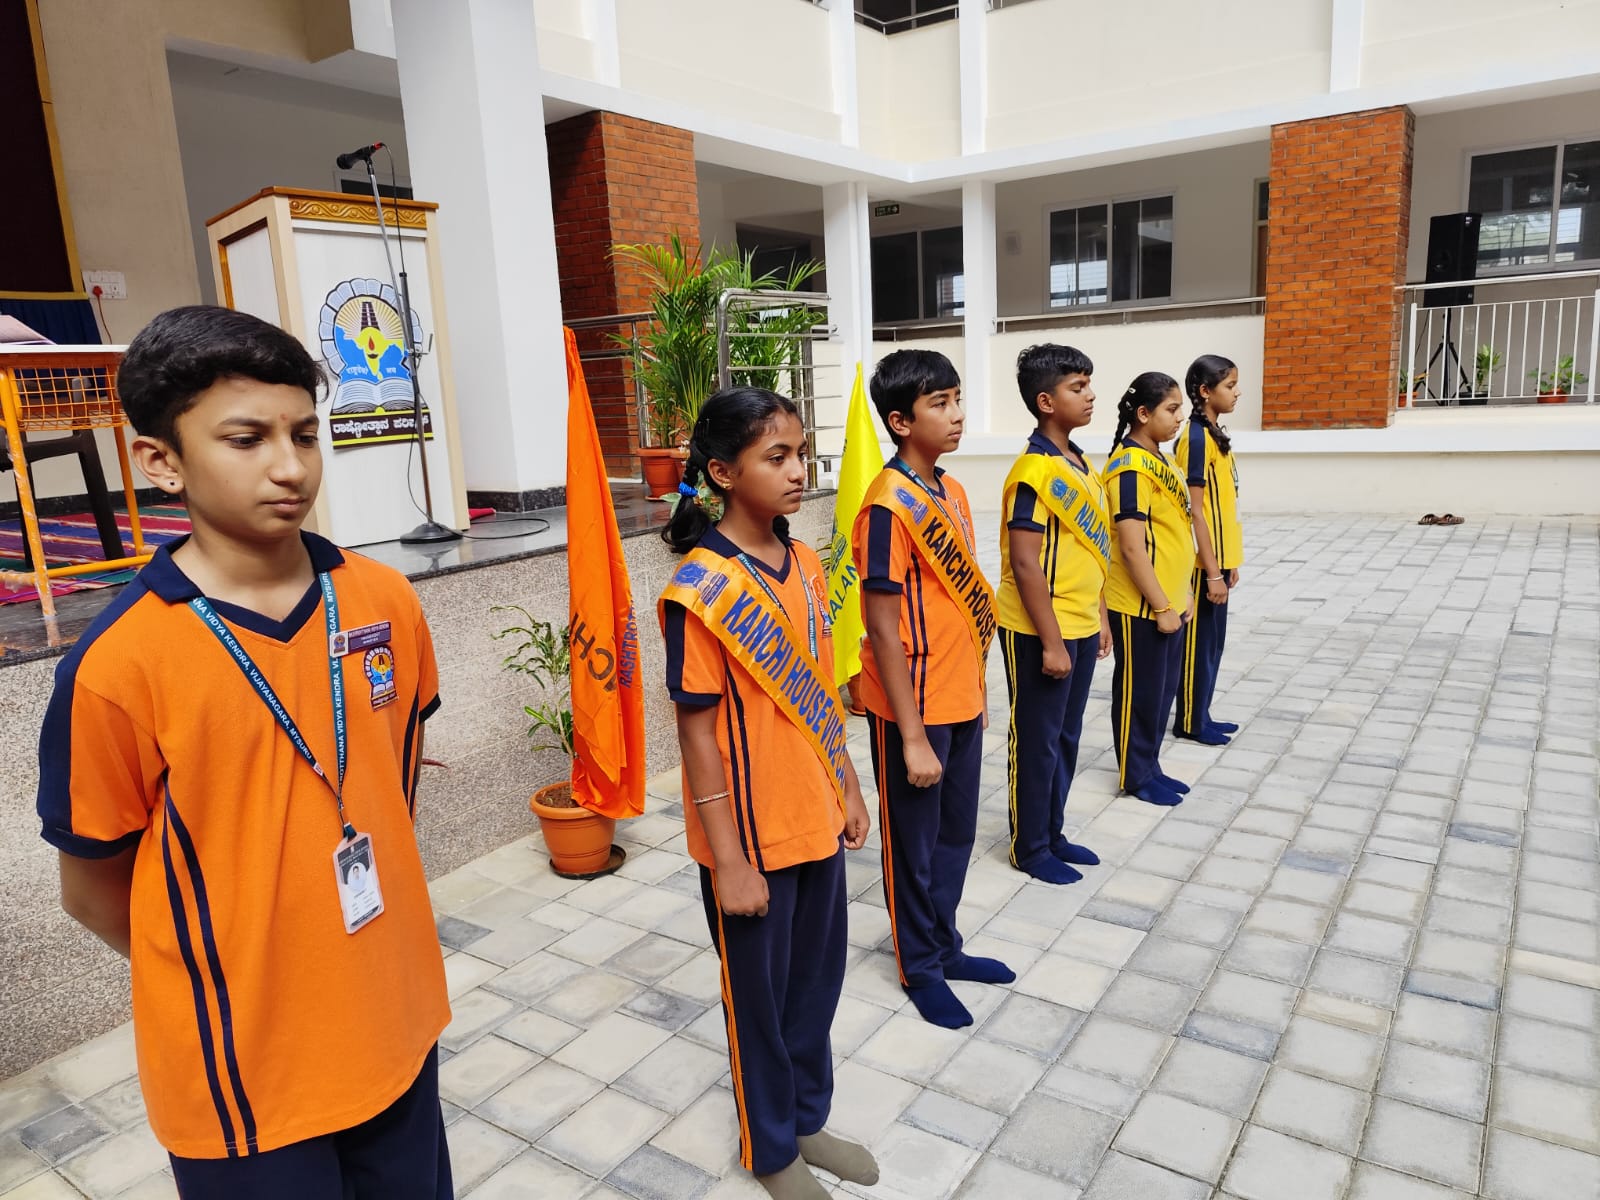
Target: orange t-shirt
[258,1020]
[935,636]
[782,795]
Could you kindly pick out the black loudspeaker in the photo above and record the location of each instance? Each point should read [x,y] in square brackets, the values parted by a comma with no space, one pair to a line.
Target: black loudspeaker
[1452,255]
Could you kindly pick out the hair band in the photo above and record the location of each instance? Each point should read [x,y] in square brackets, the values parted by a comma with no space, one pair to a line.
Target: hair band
[686,489]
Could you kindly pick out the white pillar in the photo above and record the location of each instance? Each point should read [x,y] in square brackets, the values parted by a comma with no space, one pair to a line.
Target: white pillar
[981,304]
[847,254]
[600,19]
[1344,61]
[467,71]
[973,18]
[842,46]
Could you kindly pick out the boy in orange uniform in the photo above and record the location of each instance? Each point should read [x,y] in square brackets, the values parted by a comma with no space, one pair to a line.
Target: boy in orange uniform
[228,767]
[930,618]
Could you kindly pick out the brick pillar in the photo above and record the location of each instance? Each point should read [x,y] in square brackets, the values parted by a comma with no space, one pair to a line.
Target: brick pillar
[1338,231]
[615,179]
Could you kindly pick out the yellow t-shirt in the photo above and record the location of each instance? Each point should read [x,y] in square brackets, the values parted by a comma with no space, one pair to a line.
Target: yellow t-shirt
[1072,572]
[1140,507]
[1217,472]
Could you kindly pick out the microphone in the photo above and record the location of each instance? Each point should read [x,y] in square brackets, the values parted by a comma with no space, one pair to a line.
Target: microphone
[364,154]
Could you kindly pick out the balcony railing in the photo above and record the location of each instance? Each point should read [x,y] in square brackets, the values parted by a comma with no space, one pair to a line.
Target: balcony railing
[1526,350]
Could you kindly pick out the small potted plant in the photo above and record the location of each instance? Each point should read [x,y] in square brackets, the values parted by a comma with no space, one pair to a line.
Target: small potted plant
[579,841]
[1555,386]
[1485,364]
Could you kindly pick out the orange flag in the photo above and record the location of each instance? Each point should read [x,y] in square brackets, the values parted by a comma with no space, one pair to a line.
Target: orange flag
[607,693]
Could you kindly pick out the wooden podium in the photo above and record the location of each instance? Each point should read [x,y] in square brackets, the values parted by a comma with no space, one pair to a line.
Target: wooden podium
[312,263]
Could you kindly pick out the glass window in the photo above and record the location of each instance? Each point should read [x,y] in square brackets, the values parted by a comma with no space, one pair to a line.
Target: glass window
[894,277]
[1104,252]
[918,276]
[1540,206]
[944,286]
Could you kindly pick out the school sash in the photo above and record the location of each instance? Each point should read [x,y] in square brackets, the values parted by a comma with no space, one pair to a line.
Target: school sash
[945,543]
[1168,483]
[1075,507]
[743,613]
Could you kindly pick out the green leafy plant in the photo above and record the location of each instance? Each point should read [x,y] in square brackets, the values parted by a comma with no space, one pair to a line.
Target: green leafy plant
[1560,381]
[544,654]
[675,355]
[1485,364]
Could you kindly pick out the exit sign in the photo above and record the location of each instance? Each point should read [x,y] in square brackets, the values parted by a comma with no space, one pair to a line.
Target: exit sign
[885,210]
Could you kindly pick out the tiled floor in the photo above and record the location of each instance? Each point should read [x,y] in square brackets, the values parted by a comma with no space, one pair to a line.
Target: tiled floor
[1360,961]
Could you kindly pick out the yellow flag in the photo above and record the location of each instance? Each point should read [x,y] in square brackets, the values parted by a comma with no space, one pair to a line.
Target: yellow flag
[859,466]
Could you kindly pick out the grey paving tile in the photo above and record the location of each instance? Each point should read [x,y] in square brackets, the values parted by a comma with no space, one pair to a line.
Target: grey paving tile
[1180,1136]
[1546,1049]
[1314,1110]
[1524,1168]
[1176,961]
[1242,1037]
[1211,1076]
[1144,1000]
[1418,1141]
[996,1177]
[1056,1138]
[651,1174]
[1034,1026]
[1448,1083]
[1331,1052]
[1123,1178]
[955,1120]
[62,1133]
[1270,1166]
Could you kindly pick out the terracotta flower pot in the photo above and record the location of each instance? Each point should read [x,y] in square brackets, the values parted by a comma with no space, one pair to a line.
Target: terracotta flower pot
[1556,397]
[579,841]
[663,469]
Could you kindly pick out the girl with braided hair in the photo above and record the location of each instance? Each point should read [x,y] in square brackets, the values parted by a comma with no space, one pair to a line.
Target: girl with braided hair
[1147,589]
[1203,454]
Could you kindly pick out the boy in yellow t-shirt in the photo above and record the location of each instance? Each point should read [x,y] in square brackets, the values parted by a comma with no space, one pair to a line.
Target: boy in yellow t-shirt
[1052,613]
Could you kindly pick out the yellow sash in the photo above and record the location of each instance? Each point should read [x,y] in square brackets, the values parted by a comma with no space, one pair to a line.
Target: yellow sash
[740,609]
[1051,479]
[944,543]
[1130,457]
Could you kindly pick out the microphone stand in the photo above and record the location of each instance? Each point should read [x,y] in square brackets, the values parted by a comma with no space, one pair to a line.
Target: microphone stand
[430,530]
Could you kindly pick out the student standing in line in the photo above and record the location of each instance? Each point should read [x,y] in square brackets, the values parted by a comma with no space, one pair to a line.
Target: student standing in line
[1147,589]
[1054,556]
[228,766]
[929,616]
[1205,454]
[770,796]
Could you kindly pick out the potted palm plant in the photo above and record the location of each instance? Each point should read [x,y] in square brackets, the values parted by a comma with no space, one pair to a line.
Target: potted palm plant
[579,841]
[1555,386]
[1485,363]
[675,355]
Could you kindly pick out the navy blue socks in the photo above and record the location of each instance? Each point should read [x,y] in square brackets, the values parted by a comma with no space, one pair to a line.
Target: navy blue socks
[1078,856]
[939,1005]
[1052,870]
[1224,726]
[978,970]
[1209,736]
[1171,784]
[1156,792]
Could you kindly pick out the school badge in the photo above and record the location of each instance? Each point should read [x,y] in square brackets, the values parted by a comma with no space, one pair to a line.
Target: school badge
[919,510]
[378,664]
[363,345]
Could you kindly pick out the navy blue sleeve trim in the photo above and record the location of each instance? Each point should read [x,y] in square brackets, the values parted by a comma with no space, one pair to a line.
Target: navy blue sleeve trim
[673,631]
[1133,516]
[428,709]
[880,552]
[82,847]
[1128,496]
[694,699]
[1199,436]
[1023,507]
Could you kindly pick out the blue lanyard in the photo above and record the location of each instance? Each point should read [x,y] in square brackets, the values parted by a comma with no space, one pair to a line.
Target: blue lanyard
[252,673]
[966,534]
[811,604]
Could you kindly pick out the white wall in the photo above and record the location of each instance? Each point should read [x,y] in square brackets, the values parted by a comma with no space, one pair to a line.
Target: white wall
[764,61]
[1213,219]
[910,91]
[1445,141]
[1060,69]
[234,142]
[1408,41]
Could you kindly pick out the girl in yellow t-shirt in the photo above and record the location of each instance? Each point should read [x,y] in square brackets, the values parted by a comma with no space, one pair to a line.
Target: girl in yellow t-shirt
[1147,590]
[1204,454]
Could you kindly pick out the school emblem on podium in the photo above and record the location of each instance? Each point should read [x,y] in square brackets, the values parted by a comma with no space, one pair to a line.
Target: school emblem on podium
[363,345]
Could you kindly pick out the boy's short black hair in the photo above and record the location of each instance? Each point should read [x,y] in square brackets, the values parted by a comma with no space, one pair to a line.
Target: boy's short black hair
[1041,368]
[906,374]
[183,351]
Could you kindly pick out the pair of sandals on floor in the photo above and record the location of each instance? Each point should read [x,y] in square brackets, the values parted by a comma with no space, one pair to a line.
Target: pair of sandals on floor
[1447,519]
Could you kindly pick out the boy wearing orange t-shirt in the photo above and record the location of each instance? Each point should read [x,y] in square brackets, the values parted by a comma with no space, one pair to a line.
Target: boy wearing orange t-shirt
[929,616]
[228,767]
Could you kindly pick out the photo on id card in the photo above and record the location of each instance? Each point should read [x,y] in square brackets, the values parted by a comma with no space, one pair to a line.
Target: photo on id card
[355,871]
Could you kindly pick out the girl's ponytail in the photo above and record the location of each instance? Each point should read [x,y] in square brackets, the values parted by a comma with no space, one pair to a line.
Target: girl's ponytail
[728,422]
[689,520]
[1206,372]
[1146,391]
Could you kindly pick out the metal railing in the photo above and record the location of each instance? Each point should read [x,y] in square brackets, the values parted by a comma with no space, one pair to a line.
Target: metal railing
[1540,349]
[613,386]
[775,333]
[1077,316]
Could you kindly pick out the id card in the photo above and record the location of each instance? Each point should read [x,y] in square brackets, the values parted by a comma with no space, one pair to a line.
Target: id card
[353,641]
[355,871]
